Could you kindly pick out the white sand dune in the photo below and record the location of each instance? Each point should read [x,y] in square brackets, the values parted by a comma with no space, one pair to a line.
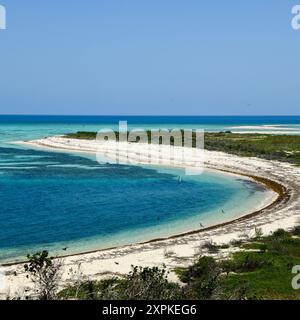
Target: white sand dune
[267,129]
[284,213]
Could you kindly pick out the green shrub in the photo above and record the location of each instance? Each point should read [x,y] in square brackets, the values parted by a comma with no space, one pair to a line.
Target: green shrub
[281,233]
[148,284]
[263,247]
[202,278]
[139,284]
[245,262]
[277,246]
[45,273]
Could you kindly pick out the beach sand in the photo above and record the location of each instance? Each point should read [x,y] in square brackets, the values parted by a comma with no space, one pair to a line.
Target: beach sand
[279,210]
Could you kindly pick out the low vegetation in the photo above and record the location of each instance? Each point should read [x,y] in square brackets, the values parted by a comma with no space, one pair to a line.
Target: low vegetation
[267,268]
[271,147]
[45,273]
[139,284]
[261,269]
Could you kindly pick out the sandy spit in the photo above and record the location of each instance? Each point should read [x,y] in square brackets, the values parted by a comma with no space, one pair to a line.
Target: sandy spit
[281,209]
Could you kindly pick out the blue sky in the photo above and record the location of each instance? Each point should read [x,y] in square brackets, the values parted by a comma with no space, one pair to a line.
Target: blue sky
[138,57]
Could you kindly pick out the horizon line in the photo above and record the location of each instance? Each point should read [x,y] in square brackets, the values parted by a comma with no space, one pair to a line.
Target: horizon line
[147,115]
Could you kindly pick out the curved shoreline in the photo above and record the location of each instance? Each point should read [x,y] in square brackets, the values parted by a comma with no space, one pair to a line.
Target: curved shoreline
[279,189]
[283,196]
[283,212]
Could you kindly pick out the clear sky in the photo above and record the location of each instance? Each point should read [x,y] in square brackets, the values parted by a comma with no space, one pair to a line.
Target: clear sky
[140,57]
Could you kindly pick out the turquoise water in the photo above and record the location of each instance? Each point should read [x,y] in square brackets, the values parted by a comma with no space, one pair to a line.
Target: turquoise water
[53,200]
[28,127]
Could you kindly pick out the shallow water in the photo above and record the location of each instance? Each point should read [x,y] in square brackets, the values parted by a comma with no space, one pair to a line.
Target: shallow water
[52,200]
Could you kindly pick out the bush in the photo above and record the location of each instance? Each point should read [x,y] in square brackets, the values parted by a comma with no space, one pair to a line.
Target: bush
[277,246]
[148,284]
[296,231]
[202,278]
[45,273]
[263,247]
[251,263]
[228,266]
[280,233]
[139,284]
[91,290]
[239,292]
[244,262]
[211,247]
[258,233]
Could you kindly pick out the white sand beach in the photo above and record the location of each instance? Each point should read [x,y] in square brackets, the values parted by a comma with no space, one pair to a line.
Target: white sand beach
[277,211]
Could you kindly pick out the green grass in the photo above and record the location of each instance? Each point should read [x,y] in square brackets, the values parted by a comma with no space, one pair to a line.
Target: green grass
[262,270]
[272,147]
[271,281]
[266,273]
[284,148]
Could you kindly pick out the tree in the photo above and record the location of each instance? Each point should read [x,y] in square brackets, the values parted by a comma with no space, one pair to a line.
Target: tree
[45,273]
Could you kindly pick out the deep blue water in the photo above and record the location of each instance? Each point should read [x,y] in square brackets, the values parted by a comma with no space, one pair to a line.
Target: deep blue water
[184,120]
[49,200]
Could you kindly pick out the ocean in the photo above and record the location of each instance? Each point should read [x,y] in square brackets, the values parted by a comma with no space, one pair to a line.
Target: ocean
[53,200]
